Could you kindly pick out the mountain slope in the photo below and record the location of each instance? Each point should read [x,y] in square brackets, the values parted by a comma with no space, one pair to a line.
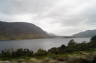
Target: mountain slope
[20,30]
[88,33]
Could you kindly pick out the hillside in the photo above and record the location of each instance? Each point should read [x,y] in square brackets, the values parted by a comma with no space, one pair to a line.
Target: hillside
[20,30]
[88,33]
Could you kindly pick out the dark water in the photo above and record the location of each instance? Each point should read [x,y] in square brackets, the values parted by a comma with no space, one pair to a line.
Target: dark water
[35,44]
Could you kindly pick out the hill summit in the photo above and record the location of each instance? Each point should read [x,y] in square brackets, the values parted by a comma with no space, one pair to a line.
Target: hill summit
[20,30]
[87,33]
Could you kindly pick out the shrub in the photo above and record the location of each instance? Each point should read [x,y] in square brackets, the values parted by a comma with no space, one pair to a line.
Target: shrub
[53,50]
[41,52]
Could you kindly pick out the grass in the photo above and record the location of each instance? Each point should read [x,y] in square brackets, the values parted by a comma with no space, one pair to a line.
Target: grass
[83,54]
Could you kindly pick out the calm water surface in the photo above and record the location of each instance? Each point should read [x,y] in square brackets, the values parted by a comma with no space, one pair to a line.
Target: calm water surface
[35,44]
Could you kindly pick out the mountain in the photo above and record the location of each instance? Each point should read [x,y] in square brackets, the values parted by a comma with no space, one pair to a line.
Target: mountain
[20,30]
[88,33]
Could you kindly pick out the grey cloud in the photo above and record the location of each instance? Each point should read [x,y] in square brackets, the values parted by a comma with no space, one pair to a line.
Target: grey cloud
[26,6]
[62,16]
[91,14]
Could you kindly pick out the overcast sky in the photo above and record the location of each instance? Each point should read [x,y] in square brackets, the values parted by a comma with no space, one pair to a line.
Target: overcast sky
[61,17]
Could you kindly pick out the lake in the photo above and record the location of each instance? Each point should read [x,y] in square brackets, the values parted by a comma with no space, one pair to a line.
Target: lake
[35,44]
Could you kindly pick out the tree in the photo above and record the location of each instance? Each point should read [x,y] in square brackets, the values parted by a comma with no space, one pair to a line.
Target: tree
[72,46]
[71,43]
[93,39]
[92,43]
[62,49]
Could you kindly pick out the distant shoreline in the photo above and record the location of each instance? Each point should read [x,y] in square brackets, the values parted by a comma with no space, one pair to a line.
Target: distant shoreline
[46,38]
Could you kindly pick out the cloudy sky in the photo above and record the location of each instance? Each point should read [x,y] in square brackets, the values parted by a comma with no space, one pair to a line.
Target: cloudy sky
[61,17]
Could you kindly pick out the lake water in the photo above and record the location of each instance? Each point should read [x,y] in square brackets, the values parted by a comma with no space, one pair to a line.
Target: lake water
[35,44]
